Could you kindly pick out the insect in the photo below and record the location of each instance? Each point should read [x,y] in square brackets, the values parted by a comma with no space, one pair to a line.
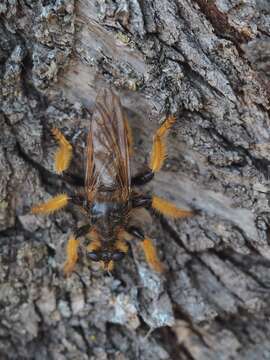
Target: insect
[109,194]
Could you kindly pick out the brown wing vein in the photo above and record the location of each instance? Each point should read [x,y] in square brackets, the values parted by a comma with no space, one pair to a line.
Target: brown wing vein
[112,138]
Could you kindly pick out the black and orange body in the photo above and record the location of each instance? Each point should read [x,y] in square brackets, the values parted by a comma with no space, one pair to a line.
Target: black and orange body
[109,195]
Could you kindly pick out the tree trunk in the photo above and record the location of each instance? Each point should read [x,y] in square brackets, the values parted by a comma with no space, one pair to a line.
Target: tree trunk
[207,62]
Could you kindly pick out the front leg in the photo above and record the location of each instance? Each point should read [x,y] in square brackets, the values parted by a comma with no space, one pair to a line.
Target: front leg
[72,248]
[148,247]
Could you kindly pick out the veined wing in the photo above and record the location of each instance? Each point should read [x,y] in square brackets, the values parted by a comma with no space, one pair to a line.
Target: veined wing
[107,164]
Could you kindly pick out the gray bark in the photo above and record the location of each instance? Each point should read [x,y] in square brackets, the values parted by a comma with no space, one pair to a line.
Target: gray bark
[207,62]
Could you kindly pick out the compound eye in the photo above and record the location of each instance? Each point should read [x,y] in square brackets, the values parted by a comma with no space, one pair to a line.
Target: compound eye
[118,255]
[94,256]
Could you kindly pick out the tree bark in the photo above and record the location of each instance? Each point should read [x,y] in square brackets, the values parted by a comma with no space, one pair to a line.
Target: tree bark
[207,62]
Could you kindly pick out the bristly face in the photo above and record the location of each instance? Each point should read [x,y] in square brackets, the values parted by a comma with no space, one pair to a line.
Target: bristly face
[106,256]
[107,252]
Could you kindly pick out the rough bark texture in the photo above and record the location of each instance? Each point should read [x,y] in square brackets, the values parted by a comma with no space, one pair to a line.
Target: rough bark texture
[207,62]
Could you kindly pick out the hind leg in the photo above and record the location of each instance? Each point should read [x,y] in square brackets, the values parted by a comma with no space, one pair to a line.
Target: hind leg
[158,154]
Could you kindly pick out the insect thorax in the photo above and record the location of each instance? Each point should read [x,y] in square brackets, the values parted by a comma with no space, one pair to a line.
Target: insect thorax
[108,216]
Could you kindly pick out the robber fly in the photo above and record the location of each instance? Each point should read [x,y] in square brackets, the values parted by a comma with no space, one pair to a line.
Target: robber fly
[110,194]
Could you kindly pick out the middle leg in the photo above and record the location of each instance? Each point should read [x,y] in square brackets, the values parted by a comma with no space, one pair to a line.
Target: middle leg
[50,206]
[58,202]
[162,206]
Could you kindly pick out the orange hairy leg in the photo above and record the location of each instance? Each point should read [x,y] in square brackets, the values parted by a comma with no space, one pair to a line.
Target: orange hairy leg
[56,203]
[63,154]
[72,255]
[158,154]
[147,246]
[164,207]
[168,209]
[151,255]
[72,248]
